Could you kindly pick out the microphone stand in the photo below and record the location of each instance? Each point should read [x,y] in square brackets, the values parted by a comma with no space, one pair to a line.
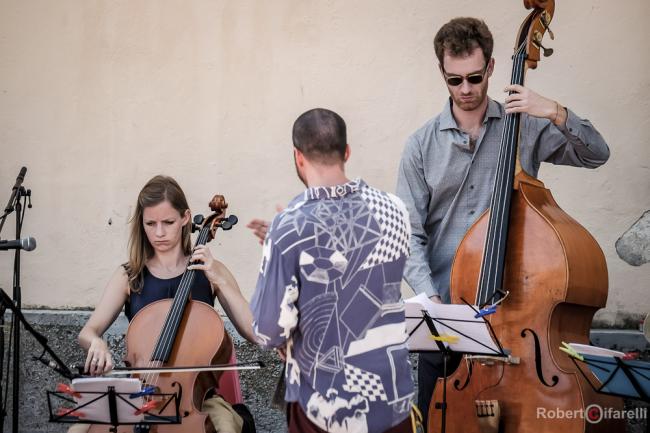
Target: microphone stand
[56,363]
[17,194]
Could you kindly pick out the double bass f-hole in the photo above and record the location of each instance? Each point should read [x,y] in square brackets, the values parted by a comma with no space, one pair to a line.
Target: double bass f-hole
[556,277]
[538,359]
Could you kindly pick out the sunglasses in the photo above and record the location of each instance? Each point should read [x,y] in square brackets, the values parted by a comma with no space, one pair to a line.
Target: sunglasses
[456,80]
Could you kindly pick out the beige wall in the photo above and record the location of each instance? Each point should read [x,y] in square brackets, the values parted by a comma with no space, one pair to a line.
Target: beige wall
[98,96]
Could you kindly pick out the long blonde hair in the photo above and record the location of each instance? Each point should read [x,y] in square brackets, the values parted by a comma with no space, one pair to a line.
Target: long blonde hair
[157,190]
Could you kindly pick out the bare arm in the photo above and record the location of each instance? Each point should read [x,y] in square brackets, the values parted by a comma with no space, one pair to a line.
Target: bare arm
[99,359]
[227,290]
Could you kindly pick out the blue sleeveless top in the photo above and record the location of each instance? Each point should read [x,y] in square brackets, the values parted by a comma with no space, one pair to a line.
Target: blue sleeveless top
[155,289]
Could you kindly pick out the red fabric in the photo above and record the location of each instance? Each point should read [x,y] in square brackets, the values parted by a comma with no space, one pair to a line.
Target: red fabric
[299,423]
[229,386]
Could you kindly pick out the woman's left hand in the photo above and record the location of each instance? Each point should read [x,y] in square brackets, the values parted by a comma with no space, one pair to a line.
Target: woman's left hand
[202,260]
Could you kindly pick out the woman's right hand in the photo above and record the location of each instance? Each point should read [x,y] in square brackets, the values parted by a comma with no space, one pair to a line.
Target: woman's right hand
[99,360]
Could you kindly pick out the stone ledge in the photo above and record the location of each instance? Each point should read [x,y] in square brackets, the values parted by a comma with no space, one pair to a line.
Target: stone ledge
[61,328]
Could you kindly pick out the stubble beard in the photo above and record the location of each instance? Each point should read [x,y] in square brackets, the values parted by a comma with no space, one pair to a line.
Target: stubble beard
[478,98]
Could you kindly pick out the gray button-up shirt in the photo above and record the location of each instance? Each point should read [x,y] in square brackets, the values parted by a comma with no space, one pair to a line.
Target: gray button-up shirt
[446,186]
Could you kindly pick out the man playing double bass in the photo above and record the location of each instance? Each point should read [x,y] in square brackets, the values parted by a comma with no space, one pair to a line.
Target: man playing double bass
[448,165]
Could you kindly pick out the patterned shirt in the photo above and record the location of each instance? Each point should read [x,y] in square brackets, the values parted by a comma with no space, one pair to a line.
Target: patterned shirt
[329,289]
[446,185]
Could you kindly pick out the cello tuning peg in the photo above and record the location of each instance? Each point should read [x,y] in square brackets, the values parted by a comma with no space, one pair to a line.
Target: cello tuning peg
[229,222]
[546,51]
[196,222]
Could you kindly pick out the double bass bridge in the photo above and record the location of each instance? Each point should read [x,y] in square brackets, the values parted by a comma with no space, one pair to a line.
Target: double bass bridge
[492,360]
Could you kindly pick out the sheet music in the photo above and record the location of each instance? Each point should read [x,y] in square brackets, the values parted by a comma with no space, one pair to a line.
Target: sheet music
[604,367]
[449,319]
[417,329]
[98,410]
[585,349]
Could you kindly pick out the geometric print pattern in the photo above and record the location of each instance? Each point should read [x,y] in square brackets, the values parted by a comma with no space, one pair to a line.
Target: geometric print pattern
[364,382]
[394,228]
[346,246]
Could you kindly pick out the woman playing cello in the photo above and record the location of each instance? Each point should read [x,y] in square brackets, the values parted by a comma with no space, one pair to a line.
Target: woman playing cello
[159,250]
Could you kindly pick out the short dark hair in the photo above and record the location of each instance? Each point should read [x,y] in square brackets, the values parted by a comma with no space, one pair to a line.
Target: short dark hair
[320,134]
[461,36]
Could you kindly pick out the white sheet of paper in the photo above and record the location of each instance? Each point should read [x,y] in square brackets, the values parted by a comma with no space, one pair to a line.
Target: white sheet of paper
[586,349]
[419,338]
[99,411]
[461,318]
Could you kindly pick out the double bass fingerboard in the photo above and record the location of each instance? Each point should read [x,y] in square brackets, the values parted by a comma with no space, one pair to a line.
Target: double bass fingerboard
[494,252]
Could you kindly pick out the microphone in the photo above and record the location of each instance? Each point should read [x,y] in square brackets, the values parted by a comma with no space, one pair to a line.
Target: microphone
[27,244]
[20,177]
[14,190]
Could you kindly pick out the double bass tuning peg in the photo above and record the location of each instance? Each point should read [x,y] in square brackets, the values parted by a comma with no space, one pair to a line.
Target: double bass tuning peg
[537,40]
[545,19]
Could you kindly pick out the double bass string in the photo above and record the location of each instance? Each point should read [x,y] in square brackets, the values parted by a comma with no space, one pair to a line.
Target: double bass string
[507,153]
[508,172]
[505,186]
[488,248]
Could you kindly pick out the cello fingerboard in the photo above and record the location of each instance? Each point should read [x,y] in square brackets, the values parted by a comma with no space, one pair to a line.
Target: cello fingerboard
[169,330]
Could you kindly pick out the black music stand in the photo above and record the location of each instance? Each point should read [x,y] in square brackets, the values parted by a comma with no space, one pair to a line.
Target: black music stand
[616,376]
[449,327]
[63,413]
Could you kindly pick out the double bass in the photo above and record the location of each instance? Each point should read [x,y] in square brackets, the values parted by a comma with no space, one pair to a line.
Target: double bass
[549,277]
[180,332]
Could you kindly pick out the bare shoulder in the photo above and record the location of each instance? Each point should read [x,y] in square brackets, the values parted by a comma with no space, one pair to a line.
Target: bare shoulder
[119,282]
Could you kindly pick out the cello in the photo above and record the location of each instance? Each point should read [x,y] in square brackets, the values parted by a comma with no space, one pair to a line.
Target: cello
[549,277]
[180,332]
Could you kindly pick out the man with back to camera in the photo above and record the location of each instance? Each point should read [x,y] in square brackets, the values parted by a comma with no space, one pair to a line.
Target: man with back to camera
[328,294]
[448,166]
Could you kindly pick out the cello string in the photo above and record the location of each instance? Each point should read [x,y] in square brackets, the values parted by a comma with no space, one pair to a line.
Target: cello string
[164,337]
[177,305]
[152,378]
[182,295]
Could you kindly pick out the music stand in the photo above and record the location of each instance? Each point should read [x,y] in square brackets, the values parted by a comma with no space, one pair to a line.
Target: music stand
[474,335]
[614,375]
[122,407]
